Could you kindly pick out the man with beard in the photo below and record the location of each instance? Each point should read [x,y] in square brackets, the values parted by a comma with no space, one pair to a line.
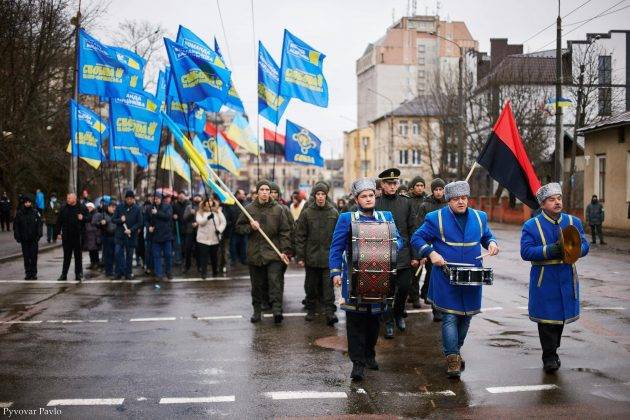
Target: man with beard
[264,263]
[401,210]
[313,235]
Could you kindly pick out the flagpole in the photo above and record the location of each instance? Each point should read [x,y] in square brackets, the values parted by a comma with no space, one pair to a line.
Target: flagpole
[257,110]
[73,177]
[471,171]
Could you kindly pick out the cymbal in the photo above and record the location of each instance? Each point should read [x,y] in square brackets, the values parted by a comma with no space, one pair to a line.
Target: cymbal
[572,245]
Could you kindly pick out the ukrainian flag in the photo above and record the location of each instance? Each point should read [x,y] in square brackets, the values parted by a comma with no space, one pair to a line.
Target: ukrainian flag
[241,134]
[172,161]
[562,103]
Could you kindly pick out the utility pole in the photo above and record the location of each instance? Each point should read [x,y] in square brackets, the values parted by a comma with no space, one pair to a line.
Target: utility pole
[460,95]
[73,176]
[558,172]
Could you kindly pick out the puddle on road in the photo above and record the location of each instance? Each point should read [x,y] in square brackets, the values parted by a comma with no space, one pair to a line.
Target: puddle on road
[505,342]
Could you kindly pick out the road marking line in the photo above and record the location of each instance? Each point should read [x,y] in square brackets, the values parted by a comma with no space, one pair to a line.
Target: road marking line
[22,322]
[493,308]
[520,388]
[226,398]
[592,308]
[447,393]
[87,401]
[98,321]
[287,314]
[300,395]
[208,318]
[522,307]
[418,311]
[6,404]
[152,319]
[65,321]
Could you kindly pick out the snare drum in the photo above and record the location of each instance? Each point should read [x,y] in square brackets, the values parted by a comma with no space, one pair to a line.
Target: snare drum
[469,276]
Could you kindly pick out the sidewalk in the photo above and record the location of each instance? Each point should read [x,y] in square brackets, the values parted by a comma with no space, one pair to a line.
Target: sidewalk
[10,249]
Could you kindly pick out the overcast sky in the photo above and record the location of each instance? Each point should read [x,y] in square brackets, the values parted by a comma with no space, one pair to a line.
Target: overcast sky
[341,29]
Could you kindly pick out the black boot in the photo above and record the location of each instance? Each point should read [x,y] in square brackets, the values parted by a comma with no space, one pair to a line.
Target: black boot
[358,372]
[277,318]
[551,365]
[331,320]
[255,317]
[400,324]
[310,315]
[62,278]
[389,329]
[371,364]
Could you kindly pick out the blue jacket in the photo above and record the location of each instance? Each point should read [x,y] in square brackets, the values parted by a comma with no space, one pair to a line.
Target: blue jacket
[339,246]
[440,232]
[133,220]
[554,292]
[162,222]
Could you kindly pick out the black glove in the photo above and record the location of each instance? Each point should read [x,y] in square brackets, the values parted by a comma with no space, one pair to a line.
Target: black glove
[555,250]
[211,216]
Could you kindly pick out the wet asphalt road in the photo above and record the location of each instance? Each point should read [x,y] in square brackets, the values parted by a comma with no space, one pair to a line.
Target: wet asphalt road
[187,349]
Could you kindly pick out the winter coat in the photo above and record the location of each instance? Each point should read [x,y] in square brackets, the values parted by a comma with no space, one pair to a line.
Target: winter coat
[189,218]
[27,225]
[207,229]
[133,221]
[68,223]
[5,205]
[401,209]
[595,213]
[428,205]
[51,213]
[161,221]
[275,222]
[109,228]
[92,234]
[313,234]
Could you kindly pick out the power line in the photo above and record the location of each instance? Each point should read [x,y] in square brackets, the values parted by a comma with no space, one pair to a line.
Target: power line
[602,13]
[606,14]
[553,23]
[227,45]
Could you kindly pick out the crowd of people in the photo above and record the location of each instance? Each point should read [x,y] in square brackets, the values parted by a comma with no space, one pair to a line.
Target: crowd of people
[264,233]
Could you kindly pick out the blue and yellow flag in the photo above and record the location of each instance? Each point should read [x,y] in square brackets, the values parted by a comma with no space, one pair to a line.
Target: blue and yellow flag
[562,103]
[135,64]
[301,72]
[172,161]
[136,122]
[125,153]
[232,100]
[201,50]
[271,105]
[198,160]
[100,71]
[160,88]
[240,133]
[220,154]
[87,132]
[302,146]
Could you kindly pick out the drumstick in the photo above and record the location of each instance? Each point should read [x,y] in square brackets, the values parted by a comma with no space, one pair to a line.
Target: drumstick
[487,254]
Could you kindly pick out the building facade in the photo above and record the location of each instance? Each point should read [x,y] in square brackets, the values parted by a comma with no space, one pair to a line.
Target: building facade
[358,155]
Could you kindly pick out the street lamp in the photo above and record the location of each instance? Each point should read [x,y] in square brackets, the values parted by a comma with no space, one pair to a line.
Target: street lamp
[460,95]
[391,124]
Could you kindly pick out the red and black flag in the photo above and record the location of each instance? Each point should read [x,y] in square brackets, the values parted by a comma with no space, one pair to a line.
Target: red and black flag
[506,161]
[274,142]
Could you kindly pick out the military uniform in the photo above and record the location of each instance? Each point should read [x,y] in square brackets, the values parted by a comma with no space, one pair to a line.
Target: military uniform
[402,212]
[27,230]
[313,235]
[264,263]
[554,292]
[51,214]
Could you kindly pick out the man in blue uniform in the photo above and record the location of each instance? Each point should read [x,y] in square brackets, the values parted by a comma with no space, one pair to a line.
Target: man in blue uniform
[454,234]
[554,294]
[362,321]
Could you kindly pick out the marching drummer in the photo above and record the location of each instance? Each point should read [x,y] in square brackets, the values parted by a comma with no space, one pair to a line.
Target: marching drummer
[362,321]
[554,295]
[454,235]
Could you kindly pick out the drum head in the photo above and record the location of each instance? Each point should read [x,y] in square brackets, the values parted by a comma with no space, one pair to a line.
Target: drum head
[572,245]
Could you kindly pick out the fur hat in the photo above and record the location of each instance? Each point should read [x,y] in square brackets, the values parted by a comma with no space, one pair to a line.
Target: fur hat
[456,189]
[320,186]
[547,191]
[362,184]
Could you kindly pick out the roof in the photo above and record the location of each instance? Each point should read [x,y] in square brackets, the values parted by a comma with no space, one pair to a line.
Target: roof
[420,106]
[616,121]
[522,69]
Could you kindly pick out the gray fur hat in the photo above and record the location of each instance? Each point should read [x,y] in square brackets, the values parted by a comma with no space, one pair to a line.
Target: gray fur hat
[456,189]
[361,185]
[546,191]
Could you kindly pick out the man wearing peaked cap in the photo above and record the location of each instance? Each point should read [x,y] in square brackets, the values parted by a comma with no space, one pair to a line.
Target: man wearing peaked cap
[554,292]
[404,217]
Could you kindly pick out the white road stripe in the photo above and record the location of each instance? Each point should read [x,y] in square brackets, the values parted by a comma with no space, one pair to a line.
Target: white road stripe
[152,319]
[289,314]
[494,308]
[520,388]
[6,404]
[226,398]
[591,308]
[447,393]
[303,395]
[98,321]
[65,321]
[522,307]
[209,318]
[21,322]
[87,401]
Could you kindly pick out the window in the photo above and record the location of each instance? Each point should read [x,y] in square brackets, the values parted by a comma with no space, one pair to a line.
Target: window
[604,102]
[415,157]
[416,128]
[452,159]
[403,157]
[365,142]
[600,177]
[421,74]
[604,69]
[403,128]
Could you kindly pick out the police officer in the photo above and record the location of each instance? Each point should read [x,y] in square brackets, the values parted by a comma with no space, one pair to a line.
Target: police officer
[554,294]
[402,211]
[27,230]
[264,263]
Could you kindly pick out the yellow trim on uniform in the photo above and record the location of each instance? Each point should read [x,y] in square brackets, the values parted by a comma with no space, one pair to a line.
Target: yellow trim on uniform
[544,251]
[548,262]
[461,243]
[454,312]
[554,321]
[335,270]
[440,223]
[550,219]
[478,219]
[540,276]
[453,243]
[542,235]
[570,220]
